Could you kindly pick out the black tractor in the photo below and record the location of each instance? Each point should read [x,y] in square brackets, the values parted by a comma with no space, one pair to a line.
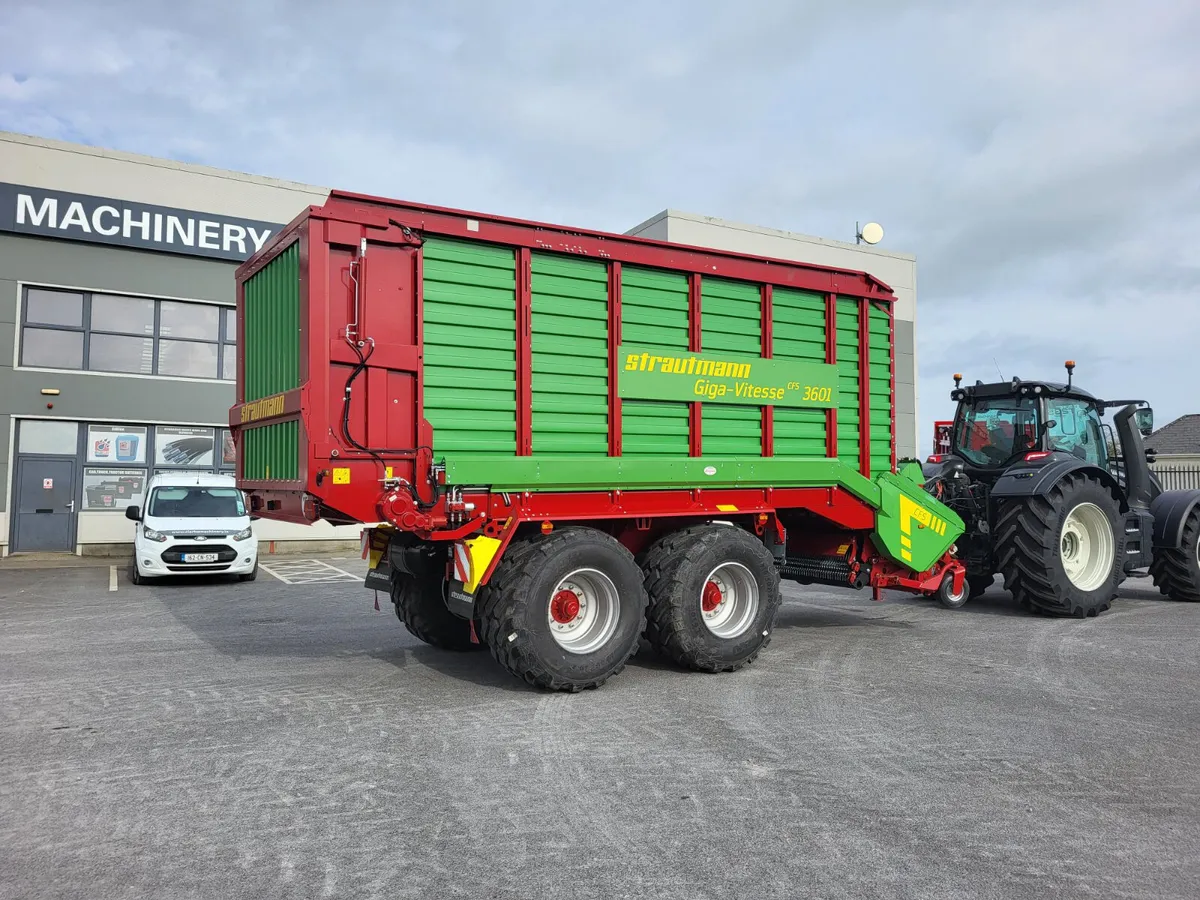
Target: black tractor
[1057,503]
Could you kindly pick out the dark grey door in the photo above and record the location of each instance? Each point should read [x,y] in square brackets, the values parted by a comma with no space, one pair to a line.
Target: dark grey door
[45,504]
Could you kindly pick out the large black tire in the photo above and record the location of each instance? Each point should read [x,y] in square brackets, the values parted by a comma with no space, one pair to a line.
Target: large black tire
[1176,573]
[515,609]
[978,585]
[1029,535]
[421,606]
[677,571]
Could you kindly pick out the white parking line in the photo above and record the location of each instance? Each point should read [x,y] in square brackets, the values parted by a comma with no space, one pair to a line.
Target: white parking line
[112,578]
[307,571]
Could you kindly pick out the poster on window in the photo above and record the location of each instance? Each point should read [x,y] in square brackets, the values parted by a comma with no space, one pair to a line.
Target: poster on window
[228,451]
[113,488]
[188,447]
[116,444]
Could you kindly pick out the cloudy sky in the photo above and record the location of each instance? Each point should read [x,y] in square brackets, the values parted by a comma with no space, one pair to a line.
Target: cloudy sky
[1041,159]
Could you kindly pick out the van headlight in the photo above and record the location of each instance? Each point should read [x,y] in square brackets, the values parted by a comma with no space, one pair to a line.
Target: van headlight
[151,535]
[243,535]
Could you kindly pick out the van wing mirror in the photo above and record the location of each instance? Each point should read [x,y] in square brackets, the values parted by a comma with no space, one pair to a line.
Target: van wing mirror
[133,513]
[1144,418]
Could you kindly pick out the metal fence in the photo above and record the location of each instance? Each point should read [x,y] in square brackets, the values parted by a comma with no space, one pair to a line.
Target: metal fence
[1175,478]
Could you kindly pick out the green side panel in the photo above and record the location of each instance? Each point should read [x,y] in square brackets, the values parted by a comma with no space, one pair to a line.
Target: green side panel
[271,308]
[614,472]
[271,452]
[912,527]
[569,348]
[654,313]
[880,390]
[847,363]
[731,322]
[470,338]
[798,332]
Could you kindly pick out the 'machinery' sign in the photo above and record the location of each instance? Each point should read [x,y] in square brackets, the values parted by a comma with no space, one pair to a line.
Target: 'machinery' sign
[103,220]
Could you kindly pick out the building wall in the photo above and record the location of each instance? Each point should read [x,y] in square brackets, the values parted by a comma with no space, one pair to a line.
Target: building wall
[898,270]
[46,261]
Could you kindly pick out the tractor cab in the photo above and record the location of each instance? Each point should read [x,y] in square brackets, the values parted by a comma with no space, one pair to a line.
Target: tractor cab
[1002,424]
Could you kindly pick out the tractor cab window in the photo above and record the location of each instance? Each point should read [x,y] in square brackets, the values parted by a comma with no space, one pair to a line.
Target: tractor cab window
[1076,430]
[991,432]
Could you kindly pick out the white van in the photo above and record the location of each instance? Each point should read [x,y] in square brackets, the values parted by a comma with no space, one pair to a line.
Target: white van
[193,523]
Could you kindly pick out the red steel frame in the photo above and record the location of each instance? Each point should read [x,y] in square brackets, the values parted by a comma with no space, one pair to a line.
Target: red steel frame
[347,218]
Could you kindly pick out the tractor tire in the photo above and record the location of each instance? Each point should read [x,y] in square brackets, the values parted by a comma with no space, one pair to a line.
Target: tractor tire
[421,606]
[714,592]
[1061,553]
[979,585]
[1176,573]
[564,611]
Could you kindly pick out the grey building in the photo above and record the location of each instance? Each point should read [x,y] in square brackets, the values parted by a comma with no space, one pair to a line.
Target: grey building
[116,299]
[116,292]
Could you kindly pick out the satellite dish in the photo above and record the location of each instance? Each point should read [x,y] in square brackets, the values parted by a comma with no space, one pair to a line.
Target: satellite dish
[872,233]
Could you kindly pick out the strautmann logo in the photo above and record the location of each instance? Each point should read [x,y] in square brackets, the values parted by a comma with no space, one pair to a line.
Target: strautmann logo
[686,365]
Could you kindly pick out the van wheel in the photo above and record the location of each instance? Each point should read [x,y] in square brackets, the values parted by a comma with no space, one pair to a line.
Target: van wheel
[135,576]
[564,612]
[714,592]
[251,575]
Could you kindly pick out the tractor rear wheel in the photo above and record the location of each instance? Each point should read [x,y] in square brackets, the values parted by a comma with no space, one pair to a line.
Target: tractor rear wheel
[1061,553]
[421,605]
[1176,573]
[714,592]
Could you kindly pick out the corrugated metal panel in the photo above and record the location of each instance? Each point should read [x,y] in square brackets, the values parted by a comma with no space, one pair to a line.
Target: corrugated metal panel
[271,452]
[569,355]
[470,346]
[798,331]
[847,356]
[271,307]
[654,313]
[880,391]
[731,321]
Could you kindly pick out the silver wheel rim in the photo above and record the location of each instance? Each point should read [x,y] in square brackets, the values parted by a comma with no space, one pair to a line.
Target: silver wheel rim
[1087,547]
[587,622]
[951,596]
[729,600]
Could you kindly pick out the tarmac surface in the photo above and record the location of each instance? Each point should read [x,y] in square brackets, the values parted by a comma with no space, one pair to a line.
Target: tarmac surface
[273,739]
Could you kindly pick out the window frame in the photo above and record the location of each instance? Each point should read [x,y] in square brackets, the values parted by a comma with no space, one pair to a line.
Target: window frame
[225,342]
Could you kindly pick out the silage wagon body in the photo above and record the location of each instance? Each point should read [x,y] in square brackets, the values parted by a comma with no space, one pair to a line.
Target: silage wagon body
[466,385]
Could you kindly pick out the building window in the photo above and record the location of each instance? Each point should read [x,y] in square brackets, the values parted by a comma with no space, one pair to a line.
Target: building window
[137,335]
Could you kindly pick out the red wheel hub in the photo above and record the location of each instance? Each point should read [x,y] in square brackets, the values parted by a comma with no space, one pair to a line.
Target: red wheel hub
[712,597]
[564,607]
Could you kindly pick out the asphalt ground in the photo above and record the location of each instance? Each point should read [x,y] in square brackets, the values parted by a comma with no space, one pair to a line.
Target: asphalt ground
[215,739]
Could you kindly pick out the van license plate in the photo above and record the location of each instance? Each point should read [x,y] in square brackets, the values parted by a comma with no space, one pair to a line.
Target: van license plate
[199,557]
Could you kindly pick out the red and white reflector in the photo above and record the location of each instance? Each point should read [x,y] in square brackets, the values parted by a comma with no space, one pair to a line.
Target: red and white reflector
[462,563]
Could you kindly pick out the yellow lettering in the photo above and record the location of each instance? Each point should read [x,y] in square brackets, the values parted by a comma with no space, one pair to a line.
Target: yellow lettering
[740,370]
[631,362]
[721,370]
[699,386]
[705,367]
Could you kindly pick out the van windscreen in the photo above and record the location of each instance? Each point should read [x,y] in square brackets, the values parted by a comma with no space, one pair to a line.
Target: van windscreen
[196,502]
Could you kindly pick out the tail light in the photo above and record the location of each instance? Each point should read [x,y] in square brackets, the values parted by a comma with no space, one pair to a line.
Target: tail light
[1036,455]
[936,457]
